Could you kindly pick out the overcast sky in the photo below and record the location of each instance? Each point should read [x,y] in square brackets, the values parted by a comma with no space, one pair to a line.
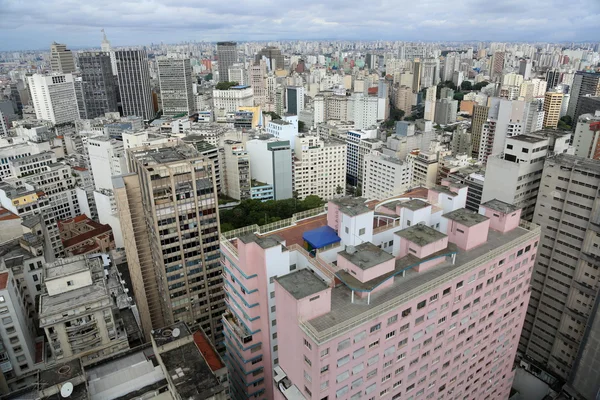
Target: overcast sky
[34,24]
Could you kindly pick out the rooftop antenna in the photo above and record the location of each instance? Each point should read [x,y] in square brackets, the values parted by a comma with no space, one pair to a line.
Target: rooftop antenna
[66,390]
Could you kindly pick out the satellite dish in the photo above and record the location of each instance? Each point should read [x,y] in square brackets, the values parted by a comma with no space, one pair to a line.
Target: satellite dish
[66,389]
[176,332]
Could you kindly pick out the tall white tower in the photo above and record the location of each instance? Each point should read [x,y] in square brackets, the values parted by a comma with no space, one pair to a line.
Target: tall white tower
[105,46]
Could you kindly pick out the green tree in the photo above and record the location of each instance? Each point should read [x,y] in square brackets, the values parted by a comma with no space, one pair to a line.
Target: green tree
[480,85]
[339,189]
[274,116]
[565,123]
[466,85]
[208,77]
[225,85]
[459,96]
[301,126]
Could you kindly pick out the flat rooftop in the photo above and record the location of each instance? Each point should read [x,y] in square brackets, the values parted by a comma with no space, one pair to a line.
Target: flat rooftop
[366,255]
[266,242]
[302,283]
[351,205]
[528,138]
[445,190]
[191,375]
[574,161]
[500,206]
[165,155]
[343,312]
[51,305]
[466,217]
[415,204]
[67,266]
[170,333]
[421,235]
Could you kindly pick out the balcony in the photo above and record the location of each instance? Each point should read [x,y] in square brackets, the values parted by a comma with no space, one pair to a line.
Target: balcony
[236,327]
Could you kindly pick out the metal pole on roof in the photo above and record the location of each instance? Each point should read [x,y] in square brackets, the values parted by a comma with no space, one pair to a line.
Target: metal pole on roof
[352,301]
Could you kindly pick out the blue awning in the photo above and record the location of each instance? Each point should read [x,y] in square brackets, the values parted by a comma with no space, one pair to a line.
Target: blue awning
[321,237]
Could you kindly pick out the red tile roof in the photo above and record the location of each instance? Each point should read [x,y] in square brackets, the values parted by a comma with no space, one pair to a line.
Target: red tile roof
[3,280]
[7,215]
[208,352]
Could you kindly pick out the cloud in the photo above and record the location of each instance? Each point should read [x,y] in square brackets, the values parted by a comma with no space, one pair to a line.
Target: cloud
[34,24]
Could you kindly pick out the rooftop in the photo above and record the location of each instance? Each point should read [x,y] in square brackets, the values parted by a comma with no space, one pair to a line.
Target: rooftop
[265,242]
[466,217]
[574,161]
[445,190]
[345,315]
[3,280]
[421,235]
[499,205]
[351,205]
[170,333]
[366,255]
[208,351]
[528,138]
[414,204]
[50,305]
[165,154]
[66,266]
[6,215]
[191,375]
[61,373]
[302,283]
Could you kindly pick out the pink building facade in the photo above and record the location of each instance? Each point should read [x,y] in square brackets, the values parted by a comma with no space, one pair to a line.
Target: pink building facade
[446,325]
[418,300]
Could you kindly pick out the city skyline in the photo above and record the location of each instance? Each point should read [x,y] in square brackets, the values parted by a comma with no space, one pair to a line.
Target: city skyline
[28,26]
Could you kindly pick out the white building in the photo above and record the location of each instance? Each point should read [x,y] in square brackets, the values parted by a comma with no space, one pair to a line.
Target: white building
[423,168]
[363,111]
[17,347]
[513,176]
[359,143]
[587,136]
[271,164]
[107,159]
[237,73]
[54,97]
[385,176]
[283,130]
[319,167]
[236,96]
[430,98]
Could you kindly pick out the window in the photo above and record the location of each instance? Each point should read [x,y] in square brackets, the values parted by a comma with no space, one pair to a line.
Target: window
[361,231]
[373,359]
[375,328]
[459,285]
[343,360]
[390,335]
[392,319]
[325,369]
[307,376]
[421,304]
[360,336]
[69,283]
[307,344]
[358,353]
[342,377]
[374,344]
[325,352]
[433,298]
[344,344]
[307,360]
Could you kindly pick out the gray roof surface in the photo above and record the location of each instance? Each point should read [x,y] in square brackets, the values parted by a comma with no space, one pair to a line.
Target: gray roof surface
[500,206]
[342,309]
[351,205]
[302,283]
[265,242]
[421,235]
[366,255]
[466,217]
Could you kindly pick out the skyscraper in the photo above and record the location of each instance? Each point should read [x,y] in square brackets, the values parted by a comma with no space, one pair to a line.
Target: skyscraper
[99,85]
[176,92]
[294,99]
[584,83]
[227,53]
[552,107]
[273,55]
[525,68]
[497,65]
[480,116]
[559,335]
[61,59]
[417,67]
[134,83]
[170,225]
[54,97]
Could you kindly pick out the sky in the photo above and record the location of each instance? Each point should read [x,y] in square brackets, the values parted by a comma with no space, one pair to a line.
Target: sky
[34,24]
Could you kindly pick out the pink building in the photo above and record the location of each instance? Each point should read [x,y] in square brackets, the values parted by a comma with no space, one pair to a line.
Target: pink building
[417,300]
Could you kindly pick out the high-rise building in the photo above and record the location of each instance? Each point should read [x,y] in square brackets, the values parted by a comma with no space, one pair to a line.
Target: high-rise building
[294,99]
[584,83]
[319,167]
[61,59]
[560,330]
[404,99]
[227,54]
[552,107]
[480,116]
[77,311]
[553,78]
[363,111]
[271,161]
[134,83]
[274,57]
[513,175]
[587,104]
[446,111]
[17,339]
[176,91]
[385,177]
[587,136]
[359,144]
[430,98]
[99,85]
[169,218]
[54,98]
[105,47]
[497,65]
[525,68]
[232,99]
[417,67]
